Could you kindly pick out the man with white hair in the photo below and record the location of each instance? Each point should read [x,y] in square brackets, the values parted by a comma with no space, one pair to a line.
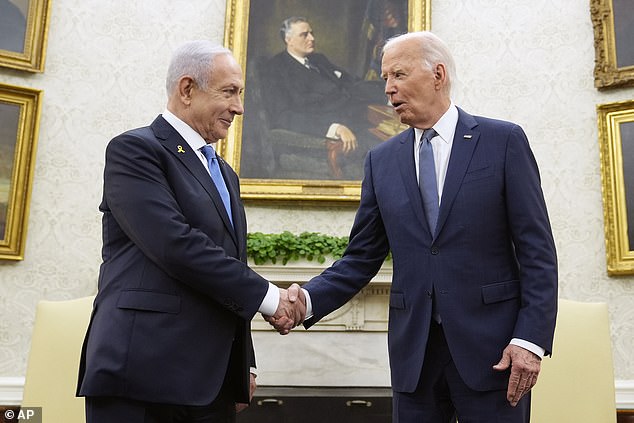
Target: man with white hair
[169,338]
[457,200]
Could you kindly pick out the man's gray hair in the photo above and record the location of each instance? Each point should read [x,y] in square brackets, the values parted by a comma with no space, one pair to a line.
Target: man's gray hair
[285,29]
[193,58]
[433,51]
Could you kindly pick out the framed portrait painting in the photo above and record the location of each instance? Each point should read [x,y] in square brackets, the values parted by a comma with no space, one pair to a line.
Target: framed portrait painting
[613,23]
[23,32]
[314,98]
[616,137]
[19,121]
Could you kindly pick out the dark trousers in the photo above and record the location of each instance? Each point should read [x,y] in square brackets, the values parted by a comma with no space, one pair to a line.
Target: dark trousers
[442,396]
[119,410]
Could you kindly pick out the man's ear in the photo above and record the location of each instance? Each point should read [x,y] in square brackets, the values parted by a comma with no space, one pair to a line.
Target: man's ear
[440,74]
[440,71]
[185,88]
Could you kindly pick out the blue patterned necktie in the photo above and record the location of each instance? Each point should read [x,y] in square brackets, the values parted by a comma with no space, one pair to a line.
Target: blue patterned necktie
[427,179]
[216,176]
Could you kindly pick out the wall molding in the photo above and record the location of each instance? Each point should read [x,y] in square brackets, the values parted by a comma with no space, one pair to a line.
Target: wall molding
[624,394]
[303,270]
[11,392]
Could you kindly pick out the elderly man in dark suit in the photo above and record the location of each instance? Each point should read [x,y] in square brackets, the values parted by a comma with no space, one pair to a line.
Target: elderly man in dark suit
[457,200]
[307,93]
[169,339]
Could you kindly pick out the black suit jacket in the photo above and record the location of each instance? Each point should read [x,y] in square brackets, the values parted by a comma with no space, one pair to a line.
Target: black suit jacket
[309,101]
[171,317]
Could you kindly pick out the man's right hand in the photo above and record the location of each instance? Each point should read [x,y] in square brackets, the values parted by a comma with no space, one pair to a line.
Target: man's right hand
[347,137]
[290,312]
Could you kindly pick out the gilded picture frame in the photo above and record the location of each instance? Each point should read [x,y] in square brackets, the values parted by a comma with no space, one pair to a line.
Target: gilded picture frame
[23,33]
[613,23]
[252,32]
[616,138]
[19,127]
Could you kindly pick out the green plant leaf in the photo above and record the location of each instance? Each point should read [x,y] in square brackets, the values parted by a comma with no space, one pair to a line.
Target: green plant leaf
[286,246]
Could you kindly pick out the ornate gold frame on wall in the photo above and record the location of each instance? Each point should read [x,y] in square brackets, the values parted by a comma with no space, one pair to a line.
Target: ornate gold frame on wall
[620,254]
[32,57]
[236,38]
[21,164]
[606,71]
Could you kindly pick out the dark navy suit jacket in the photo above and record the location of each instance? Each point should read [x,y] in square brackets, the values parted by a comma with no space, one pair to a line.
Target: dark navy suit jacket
[492,263]
[171,317]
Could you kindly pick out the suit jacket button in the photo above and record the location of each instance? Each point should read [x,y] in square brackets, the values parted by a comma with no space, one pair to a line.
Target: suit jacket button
[434,250]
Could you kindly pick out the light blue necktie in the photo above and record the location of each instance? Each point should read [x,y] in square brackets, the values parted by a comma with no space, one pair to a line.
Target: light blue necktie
[216,176]
[427,179]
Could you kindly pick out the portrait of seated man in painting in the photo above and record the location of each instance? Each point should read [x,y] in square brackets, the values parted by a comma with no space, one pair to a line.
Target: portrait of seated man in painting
[314,118]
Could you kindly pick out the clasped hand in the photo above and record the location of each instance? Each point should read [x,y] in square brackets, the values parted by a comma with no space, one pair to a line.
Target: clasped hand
[291,310]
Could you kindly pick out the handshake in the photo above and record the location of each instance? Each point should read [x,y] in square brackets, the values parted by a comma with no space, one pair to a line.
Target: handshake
[291,310]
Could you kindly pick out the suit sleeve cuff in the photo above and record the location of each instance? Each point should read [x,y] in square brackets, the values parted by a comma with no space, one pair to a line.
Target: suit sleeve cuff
[271,301]
[535,349]
[309,305]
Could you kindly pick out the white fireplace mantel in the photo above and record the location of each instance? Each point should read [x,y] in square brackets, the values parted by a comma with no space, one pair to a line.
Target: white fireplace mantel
[366,312]
[346,348]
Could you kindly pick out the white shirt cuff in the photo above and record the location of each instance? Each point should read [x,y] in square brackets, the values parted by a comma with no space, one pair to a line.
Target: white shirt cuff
[309,305]
[535,349]
[332,131]
[271,301]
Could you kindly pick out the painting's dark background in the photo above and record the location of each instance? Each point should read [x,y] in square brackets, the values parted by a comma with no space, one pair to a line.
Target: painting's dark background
[627,142]
[624,32]
[343,32]
[13,24]
[9,118]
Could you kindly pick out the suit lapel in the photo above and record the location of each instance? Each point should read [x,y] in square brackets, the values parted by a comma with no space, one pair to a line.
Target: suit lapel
[176,145]
[464,144]
[407,166]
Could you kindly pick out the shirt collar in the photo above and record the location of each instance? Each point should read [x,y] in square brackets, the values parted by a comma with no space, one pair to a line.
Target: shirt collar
[193,138]
[296,57]
[446,125]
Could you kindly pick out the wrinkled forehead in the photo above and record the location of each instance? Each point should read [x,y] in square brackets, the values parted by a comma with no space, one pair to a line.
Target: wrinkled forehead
[226,70]
[298,28]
